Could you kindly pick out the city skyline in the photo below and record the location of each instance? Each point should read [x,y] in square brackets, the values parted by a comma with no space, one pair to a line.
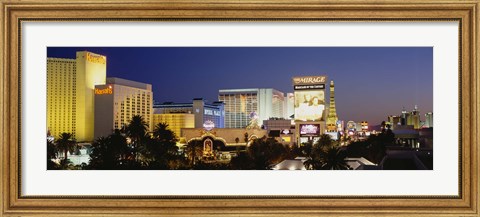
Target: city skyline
[387,78]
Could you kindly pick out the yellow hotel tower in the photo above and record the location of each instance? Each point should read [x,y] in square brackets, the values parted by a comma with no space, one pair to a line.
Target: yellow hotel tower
[70,94]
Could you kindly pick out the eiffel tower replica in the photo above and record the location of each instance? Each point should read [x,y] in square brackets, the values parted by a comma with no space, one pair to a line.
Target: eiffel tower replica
[332,112]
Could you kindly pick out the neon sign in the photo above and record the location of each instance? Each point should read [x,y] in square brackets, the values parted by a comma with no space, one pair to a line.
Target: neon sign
[309,129]
[309,80]
[208,125]
[107,90]
[95,58]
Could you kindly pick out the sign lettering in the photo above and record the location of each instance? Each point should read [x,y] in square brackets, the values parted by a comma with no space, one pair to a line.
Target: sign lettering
[309,80]
[94,58]
[107,90]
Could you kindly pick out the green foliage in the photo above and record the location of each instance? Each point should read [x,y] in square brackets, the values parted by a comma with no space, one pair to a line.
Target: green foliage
[66,143]
[265,152]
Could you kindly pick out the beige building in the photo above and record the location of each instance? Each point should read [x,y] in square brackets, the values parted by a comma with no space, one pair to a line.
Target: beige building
[175,121]
[117,101]
[241,103]
[70,93]
[228,136]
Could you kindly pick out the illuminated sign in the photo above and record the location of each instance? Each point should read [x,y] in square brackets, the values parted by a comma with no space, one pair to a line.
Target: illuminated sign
[309,129]
[208,125]
[309,87]
[108,90]
[307,80]
[351,125]
[309,105]
[95,58]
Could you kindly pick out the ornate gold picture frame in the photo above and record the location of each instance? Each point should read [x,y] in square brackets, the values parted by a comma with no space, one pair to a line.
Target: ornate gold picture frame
[14,13]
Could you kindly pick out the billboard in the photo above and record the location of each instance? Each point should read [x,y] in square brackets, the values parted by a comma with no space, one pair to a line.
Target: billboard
[309,129]
[309,103]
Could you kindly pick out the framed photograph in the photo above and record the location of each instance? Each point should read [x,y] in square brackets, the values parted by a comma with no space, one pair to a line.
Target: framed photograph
[254,108]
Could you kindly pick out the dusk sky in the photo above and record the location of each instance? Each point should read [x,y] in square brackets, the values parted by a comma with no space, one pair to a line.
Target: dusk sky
[370,82]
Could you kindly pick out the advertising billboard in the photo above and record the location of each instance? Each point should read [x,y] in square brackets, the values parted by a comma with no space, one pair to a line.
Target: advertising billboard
[309,129]
[309,103]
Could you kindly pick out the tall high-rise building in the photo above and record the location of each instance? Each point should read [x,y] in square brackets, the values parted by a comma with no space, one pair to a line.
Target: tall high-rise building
[240,103]
[332,112]
[414,118]
[61,74]
[117,101]
[70,93]
[289,108]
[429,119]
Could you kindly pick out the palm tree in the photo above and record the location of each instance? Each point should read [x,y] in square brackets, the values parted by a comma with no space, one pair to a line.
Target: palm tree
[136,130]
[332,158]
[51,154]
[325,142]
[65,143]
[193,149]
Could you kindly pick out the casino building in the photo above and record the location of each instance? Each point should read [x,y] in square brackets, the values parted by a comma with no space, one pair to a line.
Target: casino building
[240,103]
[201,111]
[70,94]
[311,119]
[117,101]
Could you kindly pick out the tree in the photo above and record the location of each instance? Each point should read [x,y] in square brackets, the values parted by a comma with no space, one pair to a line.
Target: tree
[193,149]
[65,144]
[324,142]
[51,154]
[162,149]
[333,158]
[109,153]
[245,137]
[137,130]
[265,152]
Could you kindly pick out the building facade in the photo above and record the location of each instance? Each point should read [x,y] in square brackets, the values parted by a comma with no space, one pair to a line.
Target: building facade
[70,94]
[310,108]
[240,103]
[428,119]
[201,110]
[117,101]
[175,121]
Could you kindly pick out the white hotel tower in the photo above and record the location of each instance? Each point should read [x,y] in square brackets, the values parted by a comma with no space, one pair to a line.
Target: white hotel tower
[240,103]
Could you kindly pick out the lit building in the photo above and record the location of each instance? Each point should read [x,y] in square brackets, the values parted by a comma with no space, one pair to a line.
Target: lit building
[175,121]
[70,93]
[414,118]
[429,119]
[240,103]
[309,108]
[332,111]
[393,120]
[117,101]
[289,111]
[280,128]
[201,110]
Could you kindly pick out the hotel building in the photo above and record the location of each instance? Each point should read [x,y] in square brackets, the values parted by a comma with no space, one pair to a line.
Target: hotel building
[201,111]
[175,121]
[117,101]
[70,93]
[240,103]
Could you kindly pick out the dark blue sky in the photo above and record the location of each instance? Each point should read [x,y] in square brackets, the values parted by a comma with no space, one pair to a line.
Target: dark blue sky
[370,82]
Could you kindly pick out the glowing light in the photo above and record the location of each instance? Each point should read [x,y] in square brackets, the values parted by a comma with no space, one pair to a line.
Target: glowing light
[103,91]
[208,125]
